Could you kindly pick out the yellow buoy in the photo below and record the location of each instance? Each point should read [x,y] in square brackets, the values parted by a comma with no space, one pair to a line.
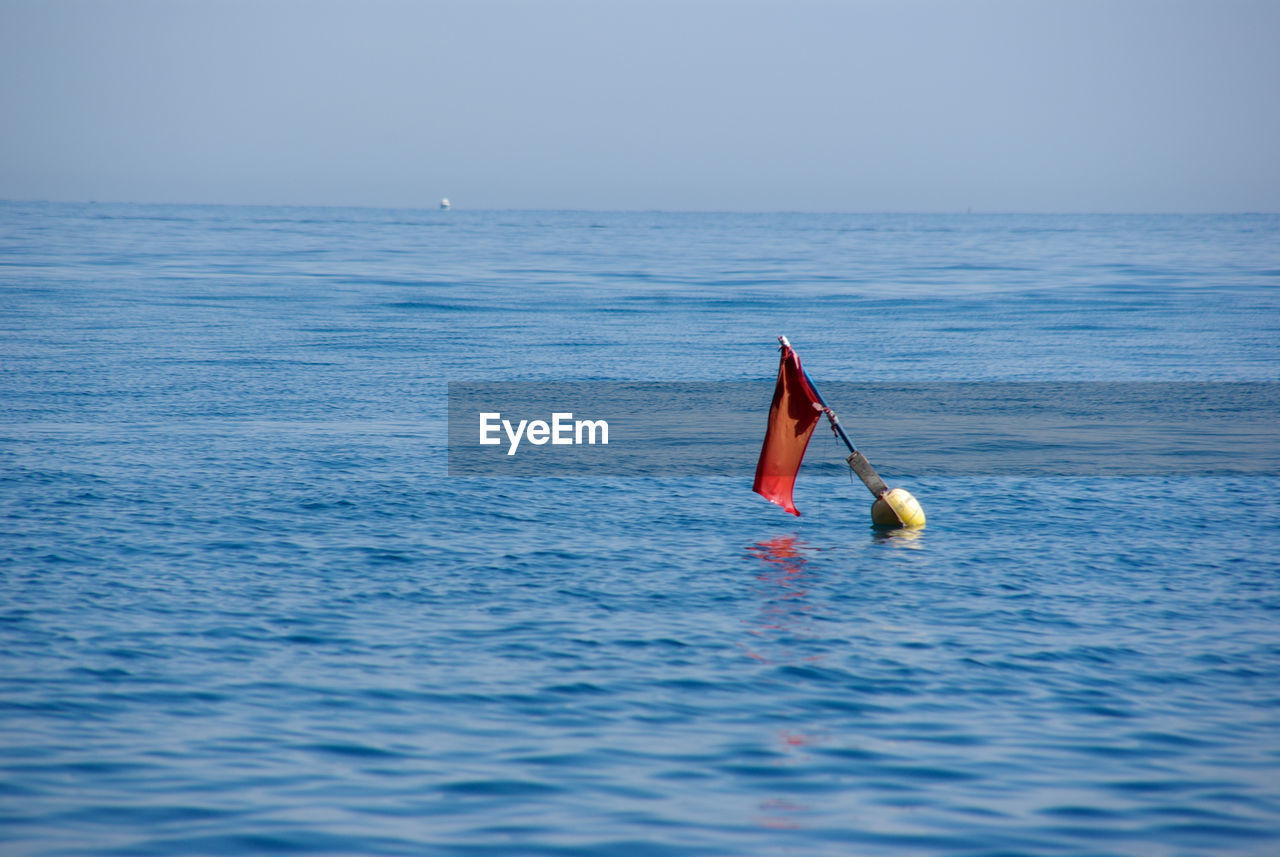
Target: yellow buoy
[897,508]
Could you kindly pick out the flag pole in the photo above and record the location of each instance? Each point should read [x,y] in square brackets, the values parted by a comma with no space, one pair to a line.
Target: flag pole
[856,460]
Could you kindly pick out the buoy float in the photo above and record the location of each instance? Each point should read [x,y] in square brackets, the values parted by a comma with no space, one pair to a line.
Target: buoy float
[897,508]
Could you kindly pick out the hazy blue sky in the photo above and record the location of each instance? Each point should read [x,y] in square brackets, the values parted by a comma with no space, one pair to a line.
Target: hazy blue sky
[1023,105]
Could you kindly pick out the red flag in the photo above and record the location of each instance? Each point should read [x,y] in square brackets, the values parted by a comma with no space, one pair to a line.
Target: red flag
[792,418]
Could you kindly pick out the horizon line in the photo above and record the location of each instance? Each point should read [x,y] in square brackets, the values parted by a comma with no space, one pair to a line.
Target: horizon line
[844,212]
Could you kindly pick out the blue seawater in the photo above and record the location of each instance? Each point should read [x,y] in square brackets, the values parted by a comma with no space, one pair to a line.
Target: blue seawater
[245,610]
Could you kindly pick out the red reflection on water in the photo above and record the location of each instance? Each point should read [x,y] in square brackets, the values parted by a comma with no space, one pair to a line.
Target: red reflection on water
[785,613]
[777,814]
[783,556]
[784,610]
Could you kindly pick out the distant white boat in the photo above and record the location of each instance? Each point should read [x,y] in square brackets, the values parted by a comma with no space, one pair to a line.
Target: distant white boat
[444,203]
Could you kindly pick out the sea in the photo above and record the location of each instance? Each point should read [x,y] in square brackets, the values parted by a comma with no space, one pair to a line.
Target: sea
[247,608]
